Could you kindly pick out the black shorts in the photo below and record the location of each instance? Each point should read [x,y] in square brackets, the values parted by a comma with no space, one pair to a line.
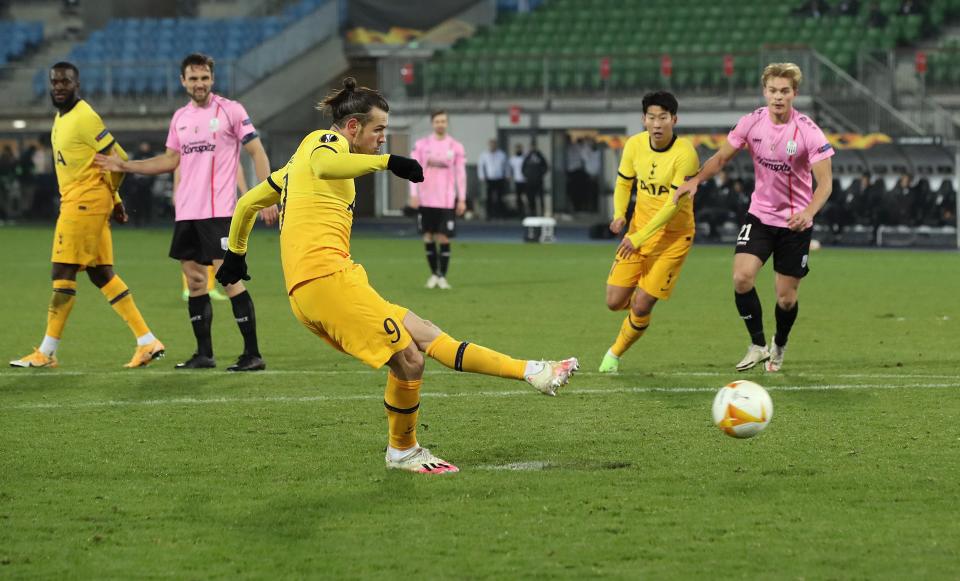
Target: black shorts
[790,249]
[200,240]
[437,221]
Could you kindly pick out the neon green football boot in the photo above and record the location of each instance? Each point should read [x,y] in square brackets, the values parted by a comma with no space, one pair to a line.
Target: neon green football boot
[610,363]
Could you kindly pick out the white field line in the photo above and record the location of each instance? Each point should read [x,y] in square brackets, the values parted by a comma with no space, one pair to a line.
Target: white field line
[193,375]
[187,401]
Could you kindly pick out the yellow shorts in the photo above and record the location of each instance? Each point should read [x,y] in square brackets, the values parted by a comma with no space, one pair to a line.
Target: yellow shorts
[344,310]
[656,267]
[83,239]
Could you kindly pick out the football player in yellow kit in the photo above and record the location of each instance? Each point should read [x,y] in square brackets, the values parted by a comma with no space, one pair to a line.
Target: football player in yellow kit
[82,240]
[660,236]
[330,294]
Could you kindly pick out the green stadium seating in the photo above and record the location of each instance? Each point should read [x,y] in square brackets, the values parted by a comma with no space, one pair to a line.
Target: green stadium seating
[571,36]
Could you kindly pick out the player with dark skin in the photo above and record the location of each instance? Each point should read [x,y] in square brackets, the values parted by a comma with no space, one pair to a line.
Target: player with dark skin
[64,92]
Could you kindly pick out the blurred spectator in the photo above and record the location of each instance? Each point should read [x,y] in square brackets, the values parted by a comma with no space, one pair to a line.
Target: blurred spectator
[71,6]
[943,206]
[27,168]
[8,162]
[908,7]
[516,174]
[852,205]
[576,176]
[902,203]
[534,171]
[812,8]
[735,193]
[492,169]
[876,18]
[45,191]
[592,162]
[705,208]
[847,8]
[720,201]
[26,172]
[140,189]
[42,159]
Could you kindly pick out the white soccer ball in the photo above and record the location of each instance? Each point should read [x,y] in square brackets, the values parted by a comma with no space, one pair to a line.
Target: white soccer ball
[742,409]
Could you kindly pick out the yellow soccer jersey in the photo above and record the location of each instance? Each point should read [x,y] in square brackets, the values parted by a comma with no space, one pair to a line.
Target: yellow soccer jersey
[77,136]
[316,194]
[657,173]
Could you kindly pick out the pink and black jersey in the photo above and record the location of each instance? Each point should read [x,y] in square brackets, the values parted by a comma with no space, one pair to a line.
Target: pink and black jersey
[208,140]
[782,157]
[444,172]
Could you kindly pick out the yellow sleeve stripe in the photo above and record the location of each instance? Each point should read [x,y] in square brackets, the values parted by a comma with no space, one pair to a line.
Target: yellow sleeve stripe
[324,146]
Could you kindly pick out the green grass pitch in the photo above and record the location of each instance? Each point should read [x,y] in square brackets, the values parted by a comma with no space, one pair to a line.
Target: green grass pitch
[107,473]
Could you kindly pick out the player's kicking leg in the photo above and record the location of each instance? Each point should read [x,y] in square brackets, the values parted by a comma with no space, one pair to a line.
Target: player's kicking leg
[545,376]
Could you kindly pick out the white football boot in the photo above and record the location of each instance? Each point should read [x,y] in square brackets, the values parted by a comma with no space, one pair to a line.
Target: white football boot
[421,461]
[776,357]
[443,284]
[755,354]
[432,281]
[552,375]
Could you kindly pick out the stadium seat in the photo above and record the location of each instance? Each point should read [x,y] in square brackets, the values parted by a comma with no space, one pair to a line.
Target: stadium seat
[153,40]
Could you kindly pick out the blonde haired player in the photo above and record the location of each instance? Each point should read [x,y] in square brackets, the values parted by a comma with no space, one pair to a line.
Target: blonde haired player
[330,294]
[650,256]
[82,239]
[789,151]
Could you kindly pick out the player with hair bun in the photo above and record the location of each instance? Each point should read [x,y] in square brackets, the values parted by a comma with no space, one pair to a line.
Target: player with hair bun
[331,295]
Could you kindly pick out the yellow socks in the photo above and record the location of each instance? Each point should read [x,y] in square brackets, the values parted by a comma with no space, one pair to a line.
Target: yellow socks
[402,401]
[632,329]
[121,300]
[61,303]
[474,358]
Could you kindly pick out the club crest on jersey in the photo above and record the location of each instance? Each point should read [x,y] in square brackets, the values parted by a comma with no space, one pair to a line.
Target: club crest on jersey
[214,124]
[328,138]
[791,147]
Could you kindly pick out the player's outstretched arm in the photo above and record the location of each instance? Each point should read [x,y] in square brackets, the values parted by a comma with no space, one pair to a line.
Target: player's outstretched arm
[163,163]
[711,168]
[656,223]
[406,168]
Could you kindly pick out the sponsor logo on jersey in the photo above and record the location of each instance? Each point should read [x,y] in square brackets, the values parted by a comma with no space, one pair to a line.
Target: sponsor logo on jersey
[774,165]
[197,148]
[328,138]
